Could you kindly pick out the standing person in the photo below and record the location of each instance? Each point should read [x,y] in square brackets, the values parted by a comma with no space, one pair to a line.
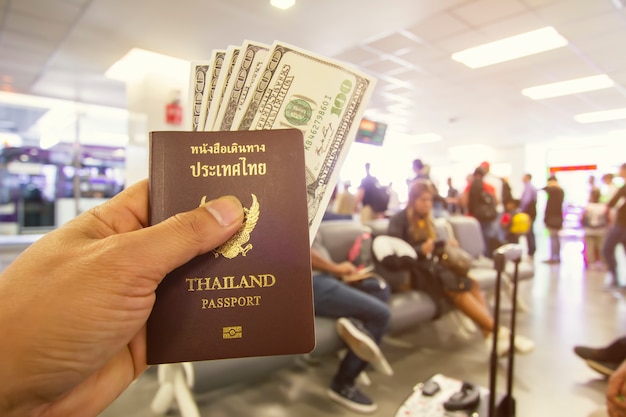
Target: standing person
[553,218]
[482,206]
[372,197]
[362,316]
[594,224]
[452,199]
[592,184]
[608,189]
[528,205]
[345,201]
[496,183]
[617,233]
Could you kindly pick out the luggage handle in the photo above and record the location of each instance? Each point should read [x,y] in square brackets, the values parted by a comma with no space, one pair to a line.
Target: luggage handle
[508,252]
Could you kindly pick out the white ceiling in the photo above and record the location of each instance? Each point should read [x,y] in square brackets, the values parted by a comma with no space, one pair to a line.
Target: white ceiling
[61,48]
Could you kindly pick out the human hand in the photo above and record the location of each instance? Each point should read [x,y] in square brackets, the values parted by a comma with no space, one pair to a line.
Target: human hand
[616,393]
[428,247]
[345,268]
[75,303]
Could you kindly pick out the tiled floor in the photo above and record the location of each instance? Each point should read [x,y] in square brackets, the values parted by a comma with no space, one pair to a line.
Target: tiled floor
[568,306]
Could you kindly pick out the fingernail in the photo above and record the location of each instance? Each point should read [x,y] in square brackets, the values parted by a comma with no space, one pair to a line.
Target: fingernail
[226,210]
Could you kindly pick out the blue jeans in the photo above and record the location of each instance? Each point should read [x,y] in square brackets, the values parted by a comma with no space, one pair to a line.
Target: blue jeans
[365,301]
[615,236]
[555,244]
[490,230]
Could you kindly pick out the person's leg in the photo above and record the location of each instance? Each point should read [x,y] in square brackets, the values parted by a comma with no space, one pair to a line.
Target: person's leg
[587,250]
[336,299]
[608,251]
[473,308]
[530,239]
[555,245]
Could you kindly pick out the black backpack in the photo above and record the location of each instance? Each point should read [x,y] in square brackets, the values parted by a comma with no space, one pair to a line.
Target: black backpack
[379,199]
[484,208]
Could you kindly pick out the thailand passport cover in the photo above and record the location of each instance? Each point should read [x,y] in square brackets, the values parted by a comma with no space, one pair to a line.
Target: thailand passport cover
[252,296]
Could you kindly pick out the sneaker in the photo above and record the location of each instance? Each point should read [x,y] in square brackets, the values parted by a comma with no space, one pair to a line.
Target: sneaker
[351,397]
[523,344]
[605,368]
[613,353]
[504,341]
[362,344]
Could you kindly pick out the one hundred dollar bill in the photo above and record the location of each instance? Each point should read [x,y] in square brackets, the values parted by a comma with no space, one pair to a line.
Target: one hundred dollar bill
[216,64]
[232,53]
[322,98]
[197,86]
[247,68]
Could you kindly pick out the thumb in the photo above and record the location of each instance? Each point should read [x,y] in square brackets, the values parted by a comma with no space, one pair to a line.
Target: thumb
[182,237]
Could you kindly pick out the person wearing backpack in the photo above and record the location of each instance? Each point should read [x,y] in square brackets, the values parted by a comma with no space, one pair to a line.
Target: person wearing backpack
[372,197]
[553,218]
[482,204]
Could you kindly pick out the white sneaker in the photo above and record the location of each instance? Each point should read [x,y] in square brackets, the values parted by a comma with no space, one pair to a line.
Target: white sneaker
[523,344]
[362,344]
[504,338]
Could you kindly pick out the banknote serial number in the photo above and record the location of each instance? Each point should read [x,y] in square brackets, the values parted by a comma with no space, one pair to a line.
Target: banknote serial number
[336,107]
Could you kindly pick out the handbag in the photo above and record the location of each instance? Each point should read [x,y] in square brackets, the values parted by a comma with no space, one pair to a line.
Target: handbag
[456,260]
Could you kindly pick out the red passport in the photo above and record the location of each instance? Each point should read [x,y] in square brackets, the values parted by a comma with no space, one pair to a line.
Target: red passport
[253,295]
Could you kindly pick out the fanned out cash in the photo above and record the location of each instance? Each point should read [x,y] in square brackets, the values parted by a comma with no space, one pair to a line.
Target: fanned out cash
[260,87]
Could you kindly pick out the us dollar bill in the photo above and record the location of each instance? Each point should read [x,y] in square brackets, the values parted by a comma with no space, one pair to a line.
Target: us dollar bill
[216,64]
[247,68]
[197,86]
[323,99]
[232,53]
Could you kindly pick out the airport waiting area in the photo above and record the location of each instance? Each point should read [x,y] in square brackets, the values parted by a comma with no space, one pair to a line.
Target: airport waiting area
[276,208]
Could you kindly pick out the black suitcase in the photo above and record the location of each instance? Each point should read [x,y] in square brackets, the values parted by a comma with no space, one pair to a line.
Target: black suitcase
[504,406]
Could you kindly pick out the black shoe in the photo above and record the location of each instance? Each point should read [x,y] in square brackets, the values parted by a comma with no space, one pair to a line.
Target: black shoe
[351,397]
[613,353]
[362,344]
[605,368]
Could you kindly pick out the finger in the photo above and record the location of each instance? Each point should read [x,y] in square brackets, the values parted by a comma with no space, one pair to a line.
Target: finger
[125,212]
[180,238]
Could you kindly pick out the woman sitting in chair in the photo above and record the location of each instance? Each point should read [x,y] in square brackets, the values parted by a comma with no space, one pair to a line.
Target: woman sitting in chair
[414,225]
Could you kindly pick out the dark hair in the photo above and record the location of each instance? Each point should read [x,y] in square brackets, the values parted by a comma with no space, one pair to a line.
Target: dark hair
[418,164]
[480,172]
[552,178]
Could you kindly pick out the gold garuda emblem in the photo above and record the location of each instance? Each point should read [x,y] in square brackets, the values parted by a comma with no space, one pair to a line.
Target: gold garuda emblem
[238,243]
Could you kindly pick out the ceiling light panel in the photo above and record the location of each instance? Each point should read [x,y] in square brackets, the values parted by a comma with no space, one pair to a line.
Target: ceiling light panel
[282,4]
[564,88]
[511,48]
[601,116]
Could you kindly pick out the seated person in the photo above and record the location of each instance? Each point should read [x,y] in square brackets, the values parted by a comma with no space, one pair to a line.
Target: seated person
[414,225]
[363,314]
[511,208]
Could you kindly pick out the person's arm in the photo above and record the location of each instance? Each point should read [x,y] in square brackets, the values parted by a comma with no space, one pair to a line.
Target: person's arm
[616,393]
[618,195]
[339,270]
[76,302]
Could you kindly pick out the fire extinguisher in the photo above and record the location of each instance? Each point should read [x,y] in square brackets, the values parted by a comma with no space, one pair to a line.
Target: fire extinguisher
[174,112]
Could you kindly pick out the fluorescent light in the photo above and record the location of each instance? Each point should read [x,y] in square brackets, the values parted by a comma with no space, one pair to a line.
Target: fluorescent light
[507,49]
[138,62]
[425,138]
[601,116]
[564,88]
[282,4]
